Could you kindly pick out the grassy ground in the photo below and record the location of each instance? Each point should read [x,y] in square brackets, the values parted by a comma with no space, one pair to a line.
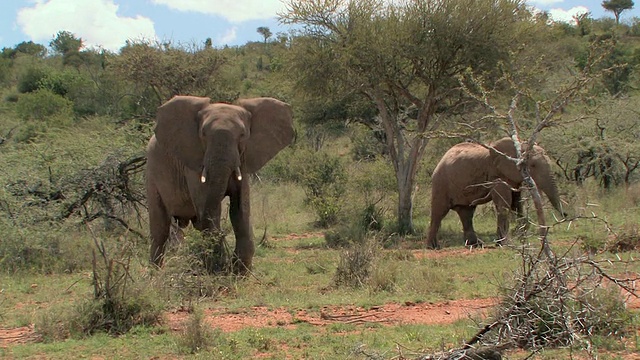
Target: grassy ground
[294,273]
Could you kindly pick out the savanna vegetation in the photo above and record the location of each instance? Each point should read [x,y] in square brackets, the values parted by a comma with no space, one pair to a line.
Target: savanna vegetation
[379,92]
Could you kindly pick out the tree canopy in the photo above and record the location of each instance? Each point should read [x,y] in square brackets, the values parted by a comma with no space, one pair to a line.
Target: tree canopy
[617,7]
[65,42]
[265,32]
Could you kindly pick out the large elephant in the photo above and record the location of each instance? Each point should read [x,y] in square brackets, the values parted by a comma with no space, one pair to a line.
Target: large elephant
[470,174]
[202,152]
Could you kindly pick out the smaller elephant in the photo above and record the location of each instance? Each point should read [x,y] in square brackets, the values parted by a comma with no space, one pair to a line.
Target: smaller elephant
[202,152]
[470,174]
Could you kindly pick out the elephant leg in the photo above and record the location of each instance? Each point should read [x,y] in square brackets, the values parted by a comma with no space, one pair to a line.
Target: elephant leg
[516,204]
[466,218]
[437,214]
[502,199]
[517,207]
[160,225]
[240,215]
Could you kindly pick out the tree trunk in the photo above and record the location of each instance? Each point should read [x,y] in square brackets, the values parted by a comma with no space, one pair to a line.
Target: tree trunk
[405,150]
[405,206]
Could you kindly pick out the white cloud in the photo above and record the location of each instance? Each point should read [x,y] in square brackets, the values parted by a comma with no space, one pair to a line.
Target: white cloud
[562,15]
[232,10]
[95,21]
[229,36]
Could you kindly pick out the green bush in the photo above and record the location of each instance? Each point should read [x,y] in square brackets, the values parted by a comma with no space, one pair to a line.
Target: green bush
[337,238]
[281,168]
[323,177]
[5,70]
[374,181]
[29,131]
[208,253]
[44,105]
[59,82]
[12,97]
[372,218]
[365,145]
[30,80]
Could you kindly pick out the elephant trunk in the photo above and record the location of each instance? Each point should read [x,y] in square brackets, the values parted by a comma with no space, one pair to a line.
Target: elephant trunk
[550,189]
[221,166]
[216,188]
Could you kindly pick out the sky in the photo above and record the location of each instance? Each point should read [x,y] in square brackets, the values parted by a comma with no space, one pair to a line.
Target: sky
[110,23]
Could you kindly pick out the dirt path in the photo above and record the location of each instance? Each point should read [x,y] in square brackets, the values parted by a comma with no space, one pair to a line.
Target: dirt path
[387,314]
[21,335]
[260,316]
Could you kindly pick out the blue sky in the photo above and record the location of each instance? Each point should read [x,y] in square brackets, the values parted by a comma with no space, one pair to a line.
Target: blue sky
[109,23]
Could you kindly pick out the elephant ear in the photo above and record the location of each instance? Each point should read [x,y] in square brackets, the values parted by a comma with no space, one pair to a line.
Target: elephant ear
[271,130]
[177,129]
[505,168]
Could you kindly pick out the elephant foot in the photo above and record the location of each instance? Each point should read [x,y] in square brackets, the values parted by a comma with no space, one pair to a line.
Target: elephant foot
[477,244]
[471,240]
[240,268]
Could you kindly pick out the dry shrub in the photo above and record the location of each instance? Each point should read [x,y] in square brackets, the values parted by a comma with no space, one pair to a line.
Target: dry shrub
[384,278]
[434,279]
[545,309]
[182,277]
[627,239]
[50,325]
[633,194]
[336,239]
[602,312]
[121,300]
[197,335]
[356,264]
[199,266]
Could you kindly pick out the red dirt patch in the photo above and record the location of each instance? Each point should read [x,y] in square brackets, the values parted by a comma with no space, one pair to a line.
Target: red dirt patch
[298,236]
[443,253]
[21,335]
[388,314]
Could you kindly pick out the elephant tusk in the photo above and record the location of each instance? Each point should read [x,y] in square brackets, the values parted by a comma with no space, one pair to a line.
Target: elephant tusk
[203,177]
[238,174]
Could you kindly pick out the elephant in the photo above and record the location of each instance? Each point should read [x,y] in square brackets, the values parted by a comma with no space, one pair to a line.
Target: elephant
[200,153]
[470,174]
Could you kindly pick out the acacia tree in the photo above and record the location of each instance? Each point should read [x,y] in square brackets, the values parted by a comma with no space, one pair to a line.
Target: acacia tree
[617,7]
[165,70]
[265,32]
[65,42]
[403,57]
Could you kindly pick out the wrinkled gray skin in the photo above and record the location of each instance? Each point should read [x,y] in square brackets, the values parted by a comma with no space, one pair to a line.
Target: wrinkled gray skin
[469,175]
[202,152]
